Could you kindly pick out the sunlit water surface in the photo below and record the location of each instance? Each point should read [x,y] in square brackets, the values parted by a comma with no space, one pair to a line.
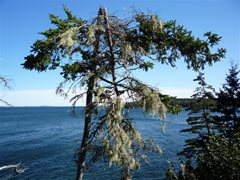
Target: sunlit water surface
[45,139]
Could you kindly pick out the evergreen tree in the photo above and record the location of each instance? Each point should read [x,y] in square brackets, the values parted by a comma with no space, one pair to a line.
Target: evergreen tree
[219,154]
[220,160]
[229,104]
[100,56]
[200,117]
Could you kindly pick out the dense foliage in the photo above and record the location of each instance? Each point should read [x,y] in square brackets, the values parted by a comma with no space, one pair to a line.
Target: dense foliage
[218,154]
[183,102]
[220,161]
[229,105]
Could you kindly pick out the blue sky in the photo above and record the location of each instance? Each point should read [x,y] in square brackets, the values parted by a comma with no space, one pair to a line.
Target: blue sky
[21,20]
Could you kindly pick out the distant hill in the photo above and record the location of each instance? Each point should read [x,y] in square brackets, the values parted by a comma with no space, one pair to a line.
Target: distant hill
[183,102]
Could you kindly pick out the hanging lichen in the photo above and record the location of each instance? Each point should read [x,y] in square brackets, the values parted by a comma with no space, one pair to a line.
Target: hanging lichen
[127,51]
[68,38]
[150,101]
[99,94]
[157,24]
[91,33]
[120,142]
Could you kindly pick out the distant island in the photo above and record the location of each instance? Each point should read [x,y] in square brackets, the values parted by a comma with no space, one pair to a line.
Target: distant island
[183,102]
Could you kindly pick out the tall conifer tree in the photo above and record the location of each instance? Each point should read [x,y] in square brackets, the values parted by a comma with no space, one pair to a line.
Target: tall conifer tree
[100,57]
[229,104]
[200,117]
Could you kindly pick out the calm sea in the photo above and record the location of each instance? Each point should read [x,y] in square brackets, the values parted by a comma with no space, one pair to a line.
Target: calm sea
[44,140]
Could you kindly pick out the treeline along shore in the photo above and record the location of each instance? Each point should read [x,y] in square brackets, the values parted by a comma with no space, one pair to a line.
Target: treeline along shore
[183,102]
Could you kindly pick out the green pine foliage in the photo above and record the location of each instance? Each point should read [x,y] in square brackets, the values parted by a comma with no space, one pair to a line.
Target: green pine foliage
[220,161]
[200,117]
[217,156]
[229,104]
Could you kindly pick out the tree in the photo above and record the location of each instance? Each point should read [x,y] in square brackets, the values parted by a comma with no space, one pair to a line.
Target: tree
[220,160]
[229,104]
[103,54]
[200,118]
[222,156]
[219,154]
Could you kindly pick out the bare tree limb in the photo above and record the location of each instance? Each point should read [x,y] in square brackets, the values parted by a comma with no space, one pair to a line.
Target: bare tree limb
[5,82]
[5,102]
[16,168]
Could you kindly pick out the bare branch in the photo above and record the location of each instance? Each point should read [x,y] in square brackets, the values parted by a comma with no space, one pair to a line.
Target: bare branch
[5,102]
[5,81]
[16,168]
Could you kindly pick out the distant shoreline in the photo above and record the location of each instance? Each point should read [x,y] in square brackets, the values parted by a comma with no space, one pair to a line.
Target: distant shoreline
[184,102]
[38,106]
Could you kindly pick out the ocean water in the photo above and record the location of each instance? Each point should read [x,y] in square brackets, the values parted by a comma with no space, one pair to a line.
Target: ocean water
[45,139]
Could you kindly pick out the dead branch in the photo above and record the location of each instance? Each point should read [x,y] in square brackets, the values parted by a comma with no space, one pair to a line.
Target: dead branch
[16,168]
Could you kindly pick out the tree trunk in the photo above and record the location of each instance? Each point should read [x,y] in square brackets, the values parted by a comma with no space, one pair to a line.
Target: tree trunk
[88,112]
[110,45]
[127,173]
[89,107]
